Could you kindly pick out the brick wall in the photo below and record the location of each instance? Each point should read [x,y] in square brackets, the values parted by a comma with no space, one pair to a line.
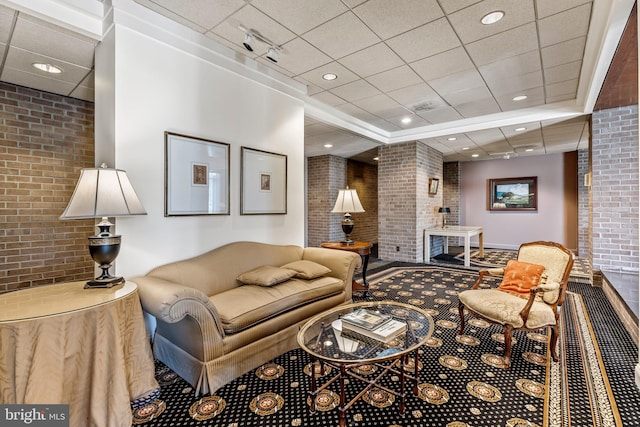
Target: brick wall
[325,176]
[405,208]
[614,190]
[45,140]
[364,178]
[584,206]
[451,197]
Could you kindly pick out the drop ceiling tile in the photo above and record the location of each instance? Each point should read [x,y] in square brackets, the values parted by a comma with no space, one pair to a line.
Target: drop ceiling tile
[416,121]
[550,7]
[329,98]
[440,115]
[563,53]
[443,64]
[298,56]
[341,36]
[372,60]
[395,79]
[19,77]
[562,72]
[420,94]
[19,59]
[357,112]
[478,107]
[514,66]
[467,25]
[451,6]
[6,20]
[161,10]
[568,87]
[560,98]
[504,45]
[498,148]
[422,42]
[40,37]
[564,26]
[251,18]
[356,90]
[301,16]
[353,3]
[388,19]
[315,76]
[535,97]
[515,84]
[317,128]
[468,95]
[381,106]
[458,82]
[204,13]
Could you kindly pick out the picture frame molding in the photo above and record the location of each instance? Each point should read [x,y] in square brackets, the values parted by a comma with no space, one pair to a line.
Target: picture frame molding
[194,168]
[495,203]
[263,182]
[433,185]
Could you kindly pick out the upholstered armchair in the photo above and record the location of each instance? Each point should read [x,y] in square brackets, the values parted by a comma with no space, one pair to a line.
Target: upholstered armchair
[529,297]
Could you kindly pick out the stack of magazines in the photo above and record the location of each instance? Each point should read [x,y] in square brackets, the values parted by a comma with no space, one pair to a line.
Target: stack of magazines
[365,325]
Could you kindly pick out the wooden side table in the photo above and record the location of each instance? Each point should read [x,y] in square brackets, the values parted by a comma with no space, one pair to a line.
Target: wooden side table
[361,248]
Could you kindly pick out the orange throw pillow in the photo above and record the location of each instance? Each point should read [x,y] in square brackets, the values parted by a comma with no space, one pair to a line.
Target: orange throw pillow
[520,276]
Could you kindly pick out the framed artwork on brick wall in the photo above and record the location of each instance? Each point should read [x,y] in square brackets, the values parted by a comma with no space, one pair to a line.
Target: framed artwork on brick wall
[196,176]
[263,183]
[433,185]
[512,194]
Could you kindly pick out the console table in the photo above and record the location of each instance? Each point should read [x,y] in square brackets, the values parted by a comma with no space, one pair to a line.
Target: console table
[467,232]
[88,348]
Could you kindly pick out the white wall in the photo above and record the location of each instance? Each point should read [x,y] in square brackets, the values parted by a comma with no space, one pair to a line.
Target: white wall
[508,229]
[158,87]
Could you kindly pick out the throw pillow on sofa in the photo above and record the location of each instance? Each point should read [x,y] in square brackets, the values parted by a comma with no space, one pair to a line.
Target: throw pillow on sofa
[307,269]
[266,275]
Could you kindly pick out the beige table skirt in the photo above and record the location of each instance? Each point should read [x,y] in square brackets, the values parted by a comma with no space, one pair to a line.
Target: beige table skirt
[97,360]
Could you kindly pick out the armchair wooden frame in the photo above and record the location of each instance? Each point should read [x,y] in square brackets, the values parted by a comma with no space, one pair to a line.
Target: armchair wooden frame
[546,250]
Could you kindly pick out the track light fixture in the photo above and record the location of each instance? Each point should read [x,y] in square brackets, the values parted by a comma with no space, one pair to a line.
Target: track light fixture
[250,37]
[272,54]
[248,41]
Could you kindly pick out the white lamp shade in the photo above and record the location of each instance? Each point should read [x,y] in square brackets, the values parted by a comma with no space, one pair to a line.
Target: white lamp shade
[347,202]
[103,192]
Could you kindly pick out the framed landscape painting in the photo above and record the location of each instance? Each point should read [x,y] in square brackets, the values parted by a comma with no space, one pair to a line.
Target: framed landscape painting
[512,194]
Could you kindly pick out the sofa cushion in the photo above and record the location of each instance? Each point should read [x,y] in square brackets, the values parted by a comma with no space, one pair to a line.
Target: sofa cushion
[245,306]
[307,269]
[266,275]
[519,277]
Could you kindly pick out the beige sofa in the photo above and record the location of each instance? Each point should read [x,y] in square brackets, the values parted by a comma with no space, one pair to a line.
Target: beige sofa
[211,328]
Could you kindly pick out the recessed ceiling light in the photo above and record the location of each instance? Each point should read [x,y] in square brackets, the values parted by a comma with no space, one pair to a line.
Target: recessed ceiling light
[465,148]
[376,158]
[406,120]
[328,145]
[47,68]
[453,138]
[492,17]
[329,76]
[528,150]
[520,98]
[475,155]
[520,129]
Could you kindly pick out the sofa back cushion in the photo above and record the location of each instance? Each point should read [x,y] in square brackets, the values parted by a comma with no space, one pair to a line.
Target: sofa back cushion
[216,271]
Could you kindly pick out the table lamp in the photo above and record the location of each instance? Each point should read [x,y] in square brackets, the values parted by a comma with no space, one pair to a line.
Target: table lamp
[347,203]
[102,193]
[444,212]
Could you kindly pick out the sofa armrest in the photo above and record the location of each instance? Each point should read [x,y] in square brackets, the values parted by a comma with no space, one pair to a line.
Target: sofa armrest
[171,302]
[341,263]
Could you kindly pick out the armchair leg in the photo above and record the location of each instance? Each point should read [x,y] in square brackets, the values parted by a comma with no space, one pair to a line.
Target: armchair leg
[554,341]
[508,330]
[461,313]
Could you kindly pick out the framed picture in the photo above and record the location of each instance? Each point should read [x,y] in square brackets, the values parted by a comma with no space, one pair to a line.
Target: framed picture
[263,182]
[512,194]
[433,185]
[196,177]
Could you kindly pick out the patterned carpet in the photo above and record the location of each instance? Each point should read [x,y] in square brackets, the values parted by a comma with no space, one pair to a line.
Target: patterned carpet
[462,379]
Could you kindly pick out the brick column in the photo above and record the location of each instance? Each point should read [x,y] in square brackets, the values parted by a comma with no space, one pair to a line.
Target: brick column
[404,206]
[325,176]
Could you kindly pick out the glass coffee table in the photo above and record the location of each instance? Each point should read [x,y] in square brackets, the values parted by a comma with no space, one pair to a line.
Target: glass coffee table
[323,339]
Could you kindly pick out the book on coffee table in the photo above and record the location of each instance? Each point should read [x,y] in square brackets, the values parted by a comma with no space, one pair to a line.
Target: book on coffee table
[365,319]
[385,332]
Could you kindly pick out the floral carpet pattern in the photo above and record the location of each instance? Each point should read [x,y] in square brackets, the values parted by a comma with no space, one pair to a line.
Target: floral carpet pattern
[462,378]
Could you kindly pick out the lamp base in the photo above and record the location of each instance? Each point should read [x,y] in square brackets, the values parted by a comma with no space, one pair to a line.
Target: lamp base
[106,282]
